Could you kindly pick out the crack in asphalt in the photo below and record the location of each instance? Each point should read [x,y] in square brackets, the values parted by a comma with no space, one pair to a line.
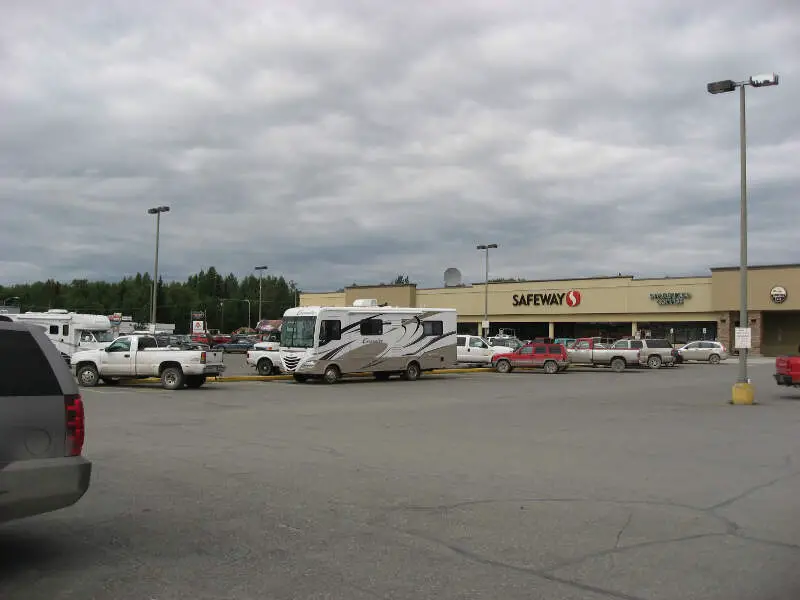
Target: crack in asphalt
[751,490]
[623,528]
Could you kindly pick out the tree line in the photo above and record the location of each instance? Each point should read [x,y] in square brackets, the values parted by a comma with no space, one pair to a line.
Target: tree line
[224,299]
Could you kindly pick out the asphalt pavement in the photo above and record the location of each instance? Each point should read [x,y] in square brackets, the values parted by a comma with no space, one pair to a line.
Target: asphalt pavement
[582,485]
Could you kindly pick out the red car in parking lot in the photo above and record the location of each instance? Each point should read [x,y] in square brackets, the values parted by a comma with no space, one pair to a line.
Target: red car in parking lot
[551,358]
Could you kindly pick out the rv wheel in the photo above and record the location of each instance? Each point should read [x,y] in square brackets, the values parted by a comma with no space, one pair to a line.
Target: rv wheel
[332,374]
[412,372]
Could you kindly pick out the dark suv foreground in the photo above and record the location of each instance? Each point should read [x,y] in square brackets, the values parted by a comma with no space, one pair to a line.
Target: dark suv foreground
[41,426]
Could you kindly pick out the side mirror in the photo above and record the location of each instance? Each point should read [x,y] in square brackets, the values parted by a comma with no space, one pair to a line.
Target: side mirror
[106,349]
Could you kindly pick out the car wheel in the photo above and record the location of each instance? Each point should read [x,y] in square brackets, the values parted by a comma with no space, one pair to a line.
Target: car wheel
[550,367]
[412,372]
[503,366]
[88,376]
[714,359]
[300,378]
[618,365]
[654,362]
[172,378]
[265,367]
[332,374]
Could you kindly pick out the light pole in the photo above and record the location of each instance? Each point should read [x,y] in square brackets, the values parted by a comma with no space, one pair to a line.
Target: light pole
[260,270]
[157,212]
[742,390]
[486,247]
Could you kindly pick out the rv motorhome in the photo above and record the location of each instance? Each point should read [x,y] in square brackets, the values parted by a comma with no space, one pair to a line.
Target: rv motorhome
[327,342]
[70,331]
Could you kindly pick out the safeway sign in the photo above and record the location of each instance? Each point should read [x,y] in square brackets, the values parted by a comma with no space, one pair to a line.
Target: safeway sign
[571,299]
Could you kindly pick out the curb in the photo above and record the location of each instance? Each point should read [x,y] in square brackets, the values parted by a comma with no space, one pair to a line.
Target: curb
[243,378]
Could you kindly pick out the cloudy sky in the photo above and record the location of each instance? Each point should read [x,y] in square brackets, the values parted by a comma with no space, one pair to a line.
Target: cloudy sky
[343,140]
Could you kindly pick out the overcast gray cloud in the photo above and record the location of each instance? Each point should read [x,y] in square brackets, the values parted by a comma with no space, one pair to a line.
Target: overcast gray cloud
[352,140]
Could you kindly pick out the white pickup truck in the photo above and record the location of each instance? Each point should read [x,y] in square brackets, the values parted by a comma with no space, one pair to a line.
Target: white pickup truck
[265,357]
[139,357]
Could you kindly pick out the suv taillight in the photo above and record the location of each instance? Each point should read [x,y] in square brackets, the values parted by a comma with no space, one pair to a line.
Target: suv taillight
[76,431]
[202,358]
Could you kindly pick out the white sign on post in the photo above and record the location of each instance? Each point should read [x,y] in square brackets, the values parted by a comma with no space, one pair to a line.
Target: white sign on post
[485,324]
[704,331]
[198,327]
[742,338]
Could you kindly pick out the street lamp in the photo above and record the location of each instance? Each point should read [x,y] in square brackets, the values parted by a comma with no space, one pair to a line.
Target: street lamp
[485,324]
[260,270]
[157,212]
[742,390]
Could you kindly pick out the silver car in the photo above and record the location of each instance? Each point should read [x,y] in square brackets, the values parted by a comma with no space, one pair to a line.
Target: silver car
[712,352]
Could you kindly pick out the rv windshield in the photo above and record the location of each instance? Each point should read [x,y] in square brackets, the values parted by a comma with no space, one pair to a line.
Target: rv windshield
[298,332]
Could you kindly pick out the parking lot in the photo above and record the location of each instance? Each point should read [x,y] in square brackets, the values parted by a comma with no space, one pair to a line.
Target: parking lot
[583,485]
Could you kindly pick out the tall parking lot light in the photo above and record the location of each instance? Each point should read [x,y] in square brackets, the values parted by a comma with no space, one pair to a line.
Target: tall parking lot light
[742,389]
[260,270]
[486,247]
[157,212]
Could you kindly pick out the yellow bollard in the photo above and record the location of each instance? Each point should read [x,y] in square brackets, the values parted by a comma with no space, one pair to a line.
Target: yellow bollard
[743,393]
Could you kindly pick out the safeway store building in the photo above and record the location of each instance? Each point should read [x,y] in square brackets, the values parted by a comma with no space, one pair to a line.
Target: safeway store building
[681,308]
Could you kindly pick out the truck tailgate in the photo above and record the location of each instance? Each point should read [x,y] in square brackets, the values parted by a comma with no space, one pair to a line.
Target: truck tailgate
[782,365]
[214,357]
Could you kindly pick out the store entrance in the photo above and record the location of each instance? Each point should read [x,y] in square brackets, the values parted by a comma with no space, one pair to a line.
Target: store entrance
[605,330]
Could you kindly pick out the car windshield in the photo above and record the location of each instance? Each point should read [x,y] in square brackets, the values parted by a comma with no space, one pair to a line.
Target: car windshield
[298,332]
[102,336]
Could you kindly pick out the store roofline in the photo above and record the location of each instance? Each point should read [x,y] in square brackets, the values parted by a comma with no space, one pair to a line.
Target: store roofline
[758,267]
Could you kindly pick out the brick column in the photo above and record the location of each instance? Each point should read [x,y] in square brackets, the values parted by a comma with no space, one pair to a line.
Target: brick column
[755,323]
[724,325]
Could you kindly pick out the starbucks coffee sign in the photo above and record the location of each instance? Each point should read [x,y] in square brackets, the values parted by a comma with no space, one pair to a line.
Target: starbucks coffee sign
[778,294]
[670,298]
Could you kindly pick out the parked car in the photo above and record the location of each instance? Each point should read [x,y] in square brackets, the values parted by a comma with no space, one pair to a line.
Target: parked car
[473,349]
[566,342]
[706,351]
[500,342]
[42,427]
[551,358]
[265,357]
[139,357]
[237,344]
[787,370]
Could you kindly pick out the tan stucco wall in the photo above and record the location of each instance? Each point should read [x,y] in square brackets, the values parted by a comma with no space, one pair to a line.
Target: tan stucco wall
[760,281]
[612,299]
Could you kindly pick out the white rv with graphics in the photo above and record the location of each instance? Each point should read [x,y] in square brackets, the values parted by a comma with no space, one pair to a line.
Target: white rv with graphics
[327,342]
[70,331]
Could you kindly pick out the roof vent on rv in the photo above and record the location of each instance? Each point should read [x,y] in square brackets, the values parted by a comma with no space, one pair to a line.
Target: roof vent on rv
[365,302]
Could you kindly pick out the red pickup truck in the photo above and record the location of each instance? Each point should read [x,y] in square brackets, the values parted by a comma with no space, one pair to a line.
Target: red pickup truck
[787,370]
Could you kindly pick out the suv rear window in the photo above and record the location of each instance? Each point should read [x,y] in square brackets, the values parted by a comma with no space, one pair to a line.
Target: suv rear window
[20,354]
[656,343]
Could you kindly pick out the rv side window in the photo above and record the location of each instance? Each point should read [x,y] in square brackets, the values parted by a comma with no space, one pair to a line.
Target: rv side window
[329,330]
[53,329]
[372,327]
[65,330]
[432,328]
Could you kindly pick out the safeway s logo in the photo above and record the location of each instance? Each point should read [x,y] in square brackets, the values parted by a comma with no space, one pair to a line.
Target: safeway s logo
[573,298]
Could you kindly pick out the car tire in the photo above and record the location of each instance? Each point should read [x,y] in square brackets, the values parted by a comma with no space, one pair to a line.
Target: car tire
[332,374]
[265,367]
[88,376]
[381,375]
[110,380]
[618,365]
[195,381]
[412,372]
[550,367]
[654,361]
[300,378]
[503,366]
[714,359]
[172,378]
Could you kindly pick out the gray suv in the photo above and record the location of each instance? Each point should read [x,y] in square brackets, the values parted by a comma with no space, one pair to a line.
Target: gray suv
[41,426]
